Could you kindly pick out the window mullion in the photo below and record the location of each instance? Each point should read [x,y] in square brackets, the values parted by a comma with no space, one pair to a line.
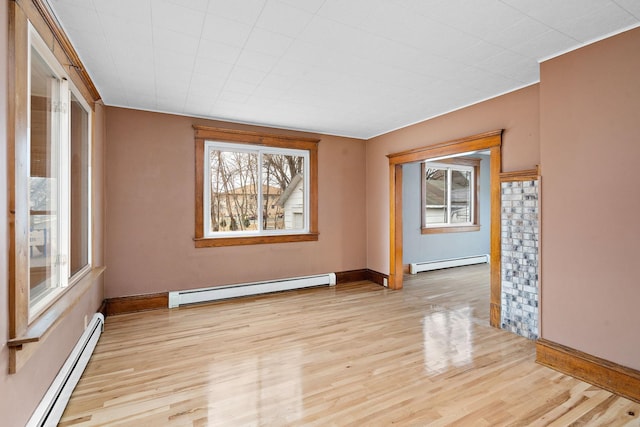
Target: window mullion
[65,182]
[259,196]
[449,174]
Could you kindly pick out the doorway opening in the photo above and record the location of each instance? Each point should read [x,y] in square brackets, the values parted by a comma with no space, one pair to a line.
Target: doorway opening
[489,141]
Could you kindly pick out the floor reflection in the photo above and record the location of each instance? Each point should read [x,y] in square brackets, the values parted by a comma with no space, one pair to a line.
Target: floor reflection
[447,339]
[268,389]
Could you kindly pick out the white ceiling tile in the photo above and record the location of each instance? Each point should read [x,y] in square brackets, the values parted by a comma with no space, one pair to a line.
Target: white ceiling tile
[239,87]
[248,75]
[544,45]
[205,83]
[282,18]
[225,31]
[175,42]
[125,30]
[606,18]
[357,67]
[79,18]
[264,41]
[218,51]
[310,6]
[631,6]
[165,14]
[245,11]
[256,60]
[138,11]
[198,5]
[352,12]
[212,67]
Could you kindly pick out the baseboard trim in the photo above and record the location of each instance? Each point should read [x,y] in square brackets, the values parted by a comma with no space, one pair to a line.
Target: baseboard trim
[135,303]
[351,276]
[376,277]
[608,375]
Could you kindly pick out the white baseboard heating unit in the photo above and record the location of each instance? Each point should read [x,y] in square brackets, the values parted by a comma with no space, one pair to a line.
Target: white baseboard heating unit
[52,405]
[446,263]
[193,296]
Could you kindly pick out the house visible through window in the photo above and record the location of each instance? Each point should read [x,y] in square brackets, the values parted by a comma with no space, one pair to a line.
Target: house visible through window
[450,195]
[254,188]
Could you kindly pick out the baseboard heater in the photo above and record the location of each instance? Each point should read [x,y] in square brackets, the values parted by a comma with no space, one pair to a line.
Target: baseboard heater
[193,296]
[54,402]
[446,263]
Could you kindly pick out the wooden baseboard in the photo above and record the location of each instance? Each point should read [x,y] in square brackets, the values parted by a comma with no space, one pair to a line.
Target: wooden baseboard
[378,278]
[352,276]
[134,303]
[610,376]
[103,308]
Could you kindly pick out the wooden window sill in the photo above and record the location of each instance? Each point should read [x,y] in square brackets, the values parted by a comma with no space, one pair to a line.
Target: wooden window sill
[21,347]
[254,240]
[454,229]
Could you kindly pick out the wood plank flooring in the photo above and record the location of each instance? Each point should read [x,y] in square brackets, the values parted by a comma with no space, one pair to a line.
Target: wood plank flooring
[357,354]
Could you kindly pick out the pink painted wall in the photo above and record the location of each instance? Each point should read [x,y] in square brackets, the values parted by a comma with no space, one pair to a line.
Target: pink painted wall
[517,113]
[21,393]
[590,146]
[150,212]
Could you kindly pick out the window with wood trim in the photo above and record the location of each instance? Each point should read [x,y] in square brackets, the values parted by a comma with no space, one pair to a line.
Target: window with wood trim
[254,188]
[450,193]
[58,179]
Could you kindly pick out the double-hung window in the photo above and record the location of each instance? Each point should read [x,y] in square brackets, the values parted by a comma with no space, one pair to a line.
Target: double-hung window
[450,196]
[254,188]
[58,179]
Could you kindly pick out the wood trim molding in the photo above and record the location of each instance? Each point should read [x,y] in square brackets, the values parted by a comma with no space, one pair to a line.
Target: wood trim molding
[135,303]
[75,63]
[489,140]
[523,175]
[480,141]
[203,133]
[24,345]
[610,376]
[144,302]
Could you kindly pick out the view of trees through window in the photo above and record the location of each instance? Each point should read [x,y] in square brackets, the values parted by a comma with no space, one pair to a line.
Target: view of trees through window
[253,190]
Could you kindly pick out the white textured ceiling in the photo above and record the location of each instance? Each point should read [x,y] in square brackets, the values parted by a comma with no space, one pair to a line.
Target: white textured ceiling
[344,67]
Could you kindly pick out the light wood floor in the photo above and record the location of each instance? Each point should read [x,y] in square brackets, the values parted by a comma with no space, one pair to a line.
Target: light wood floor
[357,354]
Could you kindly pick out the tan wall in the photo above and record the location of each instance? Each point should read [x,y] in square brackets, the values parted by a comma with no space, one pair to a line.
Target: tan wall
[150,212]
[517,113]
[21,392]
[590,146]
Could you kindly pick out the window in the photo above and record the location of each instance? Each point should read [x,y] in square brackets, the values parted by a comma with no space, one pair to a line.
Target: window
[58,179]
[450,195]
[254,188]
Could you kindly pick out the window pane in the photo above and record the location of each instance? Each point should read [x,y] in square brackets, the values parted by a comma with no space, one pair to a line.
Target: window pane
[461,196]
[436,195]
[43,183]
[79,238]
[283,176]
[234,184]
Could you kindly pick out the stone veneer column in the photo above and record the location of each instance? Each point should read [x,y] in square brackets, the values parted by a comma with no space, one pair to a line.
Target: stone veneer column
[520,244]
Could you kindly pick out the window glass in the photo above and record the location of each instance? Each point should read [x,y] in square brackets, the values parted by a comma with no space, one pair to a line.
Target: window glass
[59,180]
[79,224]
[461,196]
[448,195]
[44,203]
[436,195]
[254,190]
[283,195]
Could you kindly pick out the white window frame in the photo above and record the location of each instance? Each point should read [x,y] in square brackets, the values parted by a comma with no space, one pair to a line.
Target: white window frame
[63,133]
[450,168]
[260,151]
